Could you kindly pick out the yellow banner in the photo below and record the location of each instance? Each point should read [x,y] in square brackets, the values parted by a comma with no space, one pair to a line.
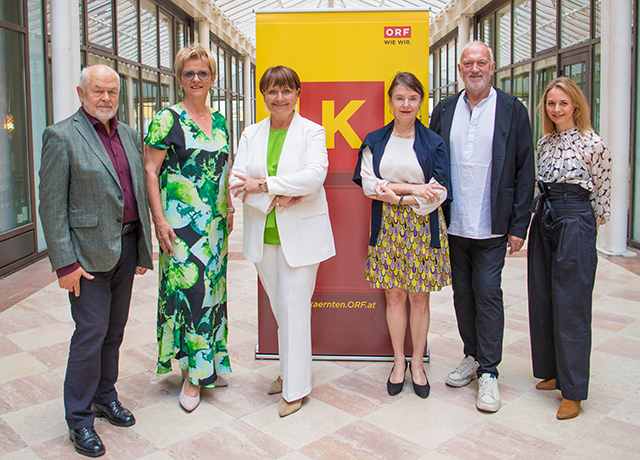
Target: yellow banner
[344,46]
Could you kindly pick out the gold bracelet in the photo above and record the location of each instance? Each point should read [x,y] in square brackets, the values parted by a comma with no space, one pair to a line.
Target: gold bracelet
[278,201]
[232,210]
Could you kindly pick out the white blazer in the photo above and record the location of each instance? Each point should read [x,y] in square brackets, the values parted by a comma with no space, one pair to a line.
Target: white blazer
[304,228]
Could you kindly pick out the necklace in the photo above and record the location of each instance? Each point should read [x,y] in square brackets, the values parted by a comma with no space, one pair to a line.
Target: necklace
[201,115]
[406,136]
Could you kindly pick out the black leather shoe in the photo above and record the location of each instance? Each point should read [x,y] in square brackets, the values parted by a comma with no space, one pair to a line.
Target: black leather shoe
[87,442]
[421,390]
[115,413]
[396,388]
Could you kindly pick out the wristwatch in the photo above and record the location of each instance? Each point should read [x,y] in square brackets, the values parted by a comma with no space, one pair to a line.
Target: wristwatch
[263,185]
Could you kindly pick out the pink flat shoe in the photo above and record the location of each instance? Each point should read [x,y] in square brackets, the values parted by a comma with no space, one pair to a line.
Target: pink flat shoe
[188,403]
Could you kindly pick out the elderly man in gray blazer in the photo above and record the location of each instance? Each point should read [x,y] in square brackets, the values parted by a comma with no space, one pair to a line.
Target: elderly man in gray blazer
[94,212]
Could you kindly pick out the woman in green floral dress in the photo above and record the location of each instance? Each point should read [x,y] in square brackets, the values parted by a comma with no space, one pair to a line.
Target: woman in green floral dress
[186,162]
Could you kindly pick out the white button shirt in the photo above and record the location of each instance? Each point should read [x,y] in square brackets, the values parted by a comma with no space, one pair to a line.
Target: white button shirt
[471,144]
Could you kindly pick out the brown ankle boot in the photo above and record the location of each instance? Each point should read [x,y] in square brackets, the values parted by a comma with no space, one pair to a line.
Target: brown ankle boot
[547,384]
[568,409]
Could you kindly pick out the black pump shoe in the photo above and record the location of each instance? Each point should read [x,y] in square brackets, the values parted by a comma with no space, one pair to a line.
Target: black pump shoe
[421,390]
[396,388]
[87,442]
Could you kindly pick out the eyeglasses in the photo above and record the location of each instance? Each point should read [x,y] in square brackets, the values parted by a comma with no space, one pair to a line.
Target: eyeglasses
[190,75]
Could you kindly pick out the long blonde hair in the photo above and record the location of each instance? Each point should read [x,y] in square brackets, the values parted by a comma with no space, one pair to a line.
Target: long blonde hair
[581,114]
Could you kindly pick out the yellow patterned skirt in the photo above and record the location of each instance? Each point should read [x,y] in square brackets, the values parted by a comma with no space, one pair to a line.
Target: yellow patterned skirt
[403,258]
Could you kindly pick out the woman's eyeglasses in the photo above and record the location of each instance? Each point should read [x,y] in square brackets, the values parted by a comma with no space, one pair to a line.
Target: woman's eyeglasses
[190,75]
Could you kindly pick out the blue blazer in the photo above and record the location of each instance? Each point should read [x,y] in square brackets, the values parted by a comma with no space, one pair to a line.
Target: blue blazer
[432,157]
[513,162]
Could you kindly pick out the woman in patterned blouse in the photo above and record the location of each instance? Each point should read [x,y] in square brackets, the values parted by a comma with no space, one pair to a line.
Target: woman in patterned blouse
[574,167]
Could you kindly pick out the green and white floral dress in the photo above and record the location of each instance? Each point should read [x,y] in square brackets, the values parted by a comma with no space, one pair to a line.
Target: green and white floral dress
[192,299]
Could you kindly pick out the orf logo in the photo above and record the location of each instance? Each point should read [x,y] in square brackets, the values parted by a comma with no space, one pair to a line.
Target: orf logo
[348,111]
[397,32]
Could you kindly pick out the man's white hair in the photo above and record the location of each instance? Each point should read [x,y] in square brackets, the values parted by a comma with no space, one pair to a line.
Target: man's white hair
[477,42]
[86,73]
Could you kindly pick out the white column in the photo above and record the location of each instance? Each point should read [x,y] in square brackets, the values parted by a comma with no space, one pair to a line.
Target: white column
[464,30]
[203,33]
[615,118]
[65,57]
[247,90]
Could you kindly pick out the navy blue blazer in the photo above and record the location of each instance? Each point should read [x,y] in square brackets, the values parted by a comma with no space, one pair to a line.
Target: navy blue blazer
[513,162]
[433,160]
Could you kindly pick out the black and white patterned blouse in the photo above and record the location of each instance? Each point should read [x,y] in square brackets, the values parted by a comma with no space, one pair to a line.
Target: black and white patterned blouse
[574,158]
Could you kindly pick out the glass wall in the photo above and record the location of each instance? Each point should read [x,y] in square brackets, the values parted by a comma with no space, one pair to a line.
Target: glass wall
[228,90]
[544,72]
[529,50]
[575,25]
[138,39]
[18,238]
[545,25]
[443,72]
[534,41]
[14,181]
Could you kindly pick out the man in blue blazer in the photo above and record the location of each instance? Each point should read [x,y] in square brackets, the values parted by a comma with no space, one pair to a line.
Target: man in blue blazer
[488,137]
[94,212]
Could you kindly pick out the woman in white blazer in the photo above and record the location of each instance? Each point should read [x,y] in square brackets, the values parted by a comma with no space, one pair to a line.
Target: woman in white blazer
[279,169]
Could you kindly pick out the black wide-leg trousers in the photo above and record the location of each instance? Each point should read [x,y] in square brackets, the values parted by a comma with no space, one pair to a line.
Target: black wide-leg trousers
[100,313]
[562,262]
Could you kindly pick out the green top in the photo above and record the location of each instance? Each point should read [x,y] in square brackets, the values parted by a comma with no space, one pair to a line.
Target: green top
[274,149]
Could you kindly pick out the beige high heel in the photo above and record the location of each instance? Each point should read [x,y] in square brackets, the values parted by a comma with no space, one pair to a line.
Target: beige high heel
[276,386]
[287,408]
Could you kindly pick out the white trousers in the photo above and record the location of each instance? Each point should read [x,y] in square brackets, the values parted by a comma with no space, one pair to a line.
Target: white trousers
[290,290]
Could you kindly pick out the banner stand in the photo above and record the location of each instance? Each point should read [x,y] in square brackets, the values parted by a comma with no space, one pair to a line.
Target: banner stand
[346,60]
[259,356]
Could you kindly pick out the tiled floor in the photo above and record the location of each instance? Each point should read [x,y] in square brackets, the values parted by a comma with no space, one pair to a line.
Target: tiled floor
[349,414]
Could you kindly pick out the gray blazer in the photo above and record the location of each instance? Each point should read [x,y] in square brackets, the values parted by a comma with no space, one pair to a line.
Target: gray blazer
[81,201]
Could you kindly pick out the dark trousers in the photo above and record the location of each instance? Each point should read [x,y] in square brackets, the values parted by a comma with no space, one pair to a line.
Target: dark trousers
[100,314]
[562,262]
[476,275]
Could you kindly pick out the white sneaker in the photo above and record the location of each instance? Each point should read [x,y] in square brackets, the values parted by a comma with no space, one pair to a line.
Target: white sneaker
[488,393]
[463,374]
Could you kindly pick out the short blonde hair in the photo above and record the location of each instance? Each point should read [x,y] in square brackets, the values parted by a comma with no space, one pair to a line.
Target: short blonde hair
[194,51]
[581,114]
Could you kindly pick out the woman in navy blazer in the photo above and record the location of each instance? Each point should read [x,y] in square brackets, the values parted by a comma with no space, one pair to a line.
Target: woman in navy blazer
[403,168]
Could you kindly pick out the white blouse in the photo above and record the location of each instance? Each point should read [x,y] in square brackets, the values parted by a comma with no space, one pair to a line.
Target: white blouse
[574,158]
[399,164]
